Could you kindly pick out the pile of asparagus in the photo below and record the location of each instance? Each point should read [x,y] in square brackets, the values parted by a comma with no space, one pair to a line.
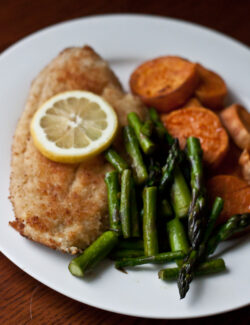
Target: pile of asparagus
[158,208]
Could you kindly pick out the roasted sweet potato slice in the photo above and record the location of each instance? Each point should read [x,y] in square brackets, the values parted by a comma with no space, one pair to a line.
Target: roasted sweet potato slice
[212,89]
[224,184]
[203,124]
[236,120]
[230,165]
[244,162]
[165,82]
[192,102]
[234,191]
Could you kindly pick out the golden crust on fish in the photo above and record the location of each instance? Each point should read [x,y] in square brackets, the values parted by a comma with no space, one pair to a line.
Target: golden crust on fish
[59,205]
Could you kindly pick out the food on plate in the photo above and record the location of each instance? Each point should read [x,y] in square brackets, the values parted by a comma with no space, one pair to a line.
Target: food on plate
[94,254]
[212,89]
[244,162]
[235,224]
[60,205]
[196,217]
[146,144]
[116,160]
[191,242]
[180,193]
[73,126]
[236,119]
[151,246]
[205,229]
[230,164]
[118,254]
[125,202]
[192,102]
[209,267]
[222,184]
[133,150]
[160,258]
[203,124]
[235,193]
[112,183]
[165,82]
[177,237]
[150,197]
[168,82]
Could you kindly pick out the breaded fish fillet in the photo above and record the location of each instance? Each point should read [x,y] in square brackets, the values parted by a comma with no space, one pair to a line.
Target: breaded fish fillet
[58,205]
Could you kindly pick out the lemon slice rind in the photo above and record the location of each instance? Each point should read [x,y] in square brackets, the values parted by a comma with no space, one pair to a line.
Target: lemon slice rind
[74,155]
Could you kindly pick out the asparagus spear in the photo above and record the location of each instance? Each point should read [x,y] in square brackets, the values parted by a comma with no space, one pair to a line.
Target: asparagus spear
[216,210]
[146,144]
[93,254]
[185,166]
[186,273]
[116,160]
[112,182]
[169,167]
[147,128]
[132,147]
[133,244]
[209,267]
[188,267]
[149,221]
[233,225]
[156,259]
[177,236]
[196,215]
[180,195]
[160,129]
[126,253]
[125,203]
[135,227]
[166,210]
[154,172]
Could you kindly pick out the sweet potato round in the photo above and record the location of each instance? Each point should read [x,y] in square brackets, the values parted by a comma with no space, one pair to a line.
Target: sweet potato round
[230,165]
[212,89]
[165,82]
[235,193]
[244,162]
[203,124]
[192,102]
[236,120]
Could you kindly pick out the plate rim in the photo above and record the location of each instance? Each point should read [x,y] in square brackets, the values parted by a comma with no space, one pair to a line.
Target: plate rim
[122,15]
[47,29]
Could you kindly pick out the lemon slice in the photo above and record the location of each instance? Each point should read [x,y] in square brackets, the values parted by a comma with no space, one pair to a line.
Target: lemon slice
[73,126]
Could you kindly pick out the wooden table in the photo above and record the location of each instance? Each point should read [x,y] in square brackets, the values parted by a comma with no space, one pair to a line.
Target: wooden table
[24,300]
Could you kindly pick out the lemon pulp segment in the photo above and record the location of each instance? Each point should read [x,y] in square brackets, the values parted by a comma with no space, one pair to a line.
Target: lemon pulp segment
[73,126]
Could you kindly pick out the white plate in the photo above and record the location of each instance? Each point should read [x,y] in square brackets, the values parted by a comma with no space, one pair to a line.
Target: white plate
[125,41]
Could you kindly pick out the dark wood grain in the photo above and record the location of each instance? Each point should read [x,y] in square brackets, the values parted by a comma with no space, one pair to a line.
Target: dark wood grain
[24,300]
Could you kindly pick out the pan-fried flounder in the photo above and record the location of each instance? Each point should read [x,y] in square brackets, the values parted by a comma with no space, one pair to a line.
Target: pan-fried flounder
[64,206]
